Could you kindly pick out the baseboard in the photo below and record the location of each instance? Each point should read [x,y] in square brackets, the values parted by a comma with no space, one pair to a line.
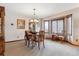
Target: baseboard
[72,43]
[14,41]
[76,44]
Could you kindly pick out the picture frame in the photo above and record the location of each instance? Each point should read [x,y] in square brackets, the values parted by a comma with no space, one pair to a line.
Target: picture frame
[20,24]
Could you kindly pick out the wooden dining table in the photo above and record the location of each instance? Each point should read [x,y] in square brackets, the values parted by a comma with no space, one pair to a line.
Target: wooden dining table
[35,38]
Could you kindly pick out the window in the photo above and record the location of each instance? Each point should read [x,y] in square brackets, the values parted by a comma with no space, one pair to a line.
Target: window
[37,27]
[57,26]
[60,26]
[46,26]
[54,26]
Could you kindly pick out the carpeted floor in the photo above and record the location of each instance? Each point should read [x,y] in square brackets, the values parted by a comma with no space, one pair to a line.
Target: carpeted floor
[52,48]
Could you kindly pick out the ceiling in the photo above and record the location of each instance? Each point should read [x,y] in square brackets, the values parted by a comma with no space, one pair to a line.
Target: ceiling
[42,9]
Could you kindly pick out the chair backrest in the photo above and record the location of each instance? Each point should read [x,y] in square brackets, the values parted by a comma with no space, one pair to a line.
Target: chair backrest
[41,33]
[26,35]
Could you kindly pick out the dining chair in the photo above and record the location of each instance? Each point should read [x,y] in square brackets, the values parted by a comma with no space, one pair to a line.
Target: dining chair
[30,38]
[41,38]
[33,39]
[27,39]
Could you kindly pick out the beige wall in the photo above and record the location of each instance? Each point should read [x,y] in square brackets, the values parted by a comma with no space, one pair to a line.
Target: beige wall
[75,23]
[11,32]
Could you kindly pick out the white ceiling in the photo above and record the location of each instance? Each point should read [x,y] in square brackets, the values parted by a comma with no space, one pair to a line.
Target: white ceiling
[42,9]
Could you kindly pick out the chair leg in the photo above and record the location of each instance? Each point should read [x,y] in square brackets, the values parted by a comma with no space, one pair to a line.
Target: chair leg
[25,42]
[28,43]
[43,44]
[32,44]
[39,45]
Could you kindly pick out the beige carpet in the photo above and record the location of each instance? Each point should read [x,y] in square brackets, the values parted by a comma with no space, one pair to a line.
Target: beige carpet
[52,48]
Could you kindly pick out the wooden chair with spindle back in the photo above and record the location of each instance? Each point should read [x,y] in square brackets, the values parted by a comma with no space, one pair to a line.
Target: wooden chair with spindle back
[41,38]
[27,39]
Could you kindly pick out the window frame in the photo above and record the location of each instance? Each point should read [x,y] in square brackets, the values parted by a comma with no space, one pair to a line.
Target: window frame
[57,23]
[48,25]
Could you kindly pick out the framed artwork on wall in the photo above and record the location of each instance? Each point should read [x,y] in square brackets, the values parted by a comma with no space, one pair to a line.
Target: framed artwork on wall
[20,24]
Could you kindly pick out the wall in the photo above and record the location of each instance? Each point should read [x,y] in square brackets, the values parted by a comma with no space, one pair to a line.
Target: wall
[11,32]
[75,23]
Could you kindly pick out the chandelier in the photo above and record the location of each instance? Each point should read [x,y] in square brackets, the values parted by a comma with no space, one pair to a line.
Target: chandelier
[34,20]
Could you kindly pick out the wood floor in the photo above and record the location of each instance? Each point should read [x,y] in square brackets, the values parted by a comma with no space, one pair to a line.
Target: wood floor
[52,48]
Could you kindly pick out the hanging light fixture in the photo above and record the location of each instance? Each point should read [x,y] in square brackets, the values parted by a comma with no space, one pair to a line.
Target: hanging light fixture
[34,20]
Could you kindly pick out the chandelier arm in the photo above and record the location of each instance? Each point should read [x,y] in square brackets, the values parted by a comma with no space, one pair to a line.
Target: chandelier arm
[34,12]
[34,19]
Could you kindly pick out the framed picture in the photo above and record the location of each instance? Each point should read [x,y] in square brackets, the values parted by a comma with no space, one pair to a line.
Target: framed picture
[20,24]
